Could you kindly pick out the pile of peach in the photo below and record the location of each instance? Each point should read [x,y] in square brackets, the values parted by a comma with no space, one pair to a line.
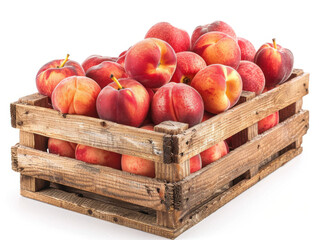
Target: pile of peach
[167,76]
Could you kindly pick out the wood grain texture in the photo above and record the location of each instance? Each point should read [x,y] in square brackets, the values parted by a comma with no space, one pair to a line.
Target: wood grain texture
[90,131]
[199,186]
[102,180]
[220,127]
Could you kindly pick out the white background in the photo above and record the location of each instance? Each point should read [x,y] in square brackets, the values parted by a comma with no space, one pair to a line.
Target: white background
[282,206]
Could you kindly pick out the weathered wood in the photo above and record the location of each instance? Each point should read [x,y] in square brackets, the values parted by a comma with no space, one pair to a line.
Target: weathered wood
[168,171]
[249,133]
[102,180]
[213,204]
[90,131]
[224,125]
[199,186]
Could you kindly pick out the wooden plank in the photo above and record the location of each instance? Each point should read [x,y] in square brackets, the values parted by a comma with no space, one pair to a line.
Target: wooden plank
[102,180]
[210,206]
[89,131]
[220,127]
[98,209]
[168,171]
[199,186]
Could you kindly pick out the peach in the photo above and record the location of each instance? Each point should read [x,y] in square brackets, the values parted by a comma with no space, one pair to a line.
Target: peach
[217,26]
[151,61]
[195,163]
[252,76]
[276,63]
[218,47]
[177,38]
[76,95]
[94,60]
[138,165]
[125,101]
[247,49]
[207,116]
[220,87]
[177,102]
[98,156]
[214,153]
[188,64]
[50,74]
[101,73]
[121,58]
[62,148]
[148,119]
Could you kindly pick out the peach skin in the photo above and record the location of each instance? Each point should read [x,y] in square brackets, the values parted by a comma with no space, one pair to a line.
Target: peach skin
[125,101]
[217,26]
[214,153]
[218,48]
[247,49]
[76,95]
[151,61]
[94,60]
[177,102]
[188,64]
[62,148]
[177,38]
[98,156]
[220,87]
[50,74]
[276,63]
[101,73]
[195,163]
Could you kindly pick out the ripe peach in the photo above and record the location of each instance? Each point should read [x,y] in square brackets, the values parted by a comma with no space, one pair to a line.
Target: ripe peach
[268,122]
[101,73]
[98,156]
[217,26]
[188,64]
[62,148]
[252,76]
[76,95]
[220,87]
[247,49]
[218,47]
[177,102]
[177,38]
[50,74]
[121,58]
[214,153]
[276,63]
[138,165]
[125,103]
[195,163]
[151,61]
[94,60]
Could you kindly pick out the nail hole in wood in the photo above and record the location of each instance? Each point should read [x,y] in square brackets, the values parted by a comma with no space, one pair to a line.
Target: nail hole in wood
[64,115]
[258,146]
[158,190]
[115,219]
[103,124]
[90,212]
[257,112]
[27,112]
[187,142]
[20,123]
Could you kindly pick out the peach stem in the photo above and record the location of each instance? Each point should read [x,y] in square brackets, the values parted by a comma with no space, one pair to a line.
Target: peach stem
[65,60]
[116,81]
[274,42]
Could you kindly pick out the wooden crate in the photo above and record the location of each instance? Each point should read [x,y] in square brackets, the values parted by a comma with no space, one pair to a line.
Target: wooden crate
[174,200]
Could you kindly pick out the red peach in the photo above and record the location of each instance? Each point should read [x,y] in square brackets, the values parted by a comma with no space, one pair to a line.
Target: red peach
[177,102]
[101,73]
[121,58]
[50,74]
[195,163]
[218,47]
[220,87]
[214,153]
[217,26]
[94,60]
[177,38]
[268,122]
[151,61]
[188,64]
[98,156]
[247,49]
[276,63]
[138,165]
[62,148]
[127,105]
[252,76]
[76,95]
